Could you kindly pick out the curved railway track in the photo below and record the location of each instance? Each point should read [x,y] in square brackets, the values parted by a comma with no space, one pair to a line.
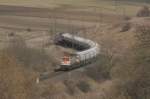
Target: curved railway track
[87,52]
[55,76]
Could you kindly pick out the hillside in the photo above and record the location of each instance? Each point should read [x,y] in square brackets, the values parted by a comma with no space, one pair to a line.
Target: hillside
[27,51]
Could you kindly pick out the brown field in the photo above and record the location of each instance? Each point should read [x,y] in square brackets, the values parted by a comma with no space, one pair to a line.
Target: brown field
[36,26]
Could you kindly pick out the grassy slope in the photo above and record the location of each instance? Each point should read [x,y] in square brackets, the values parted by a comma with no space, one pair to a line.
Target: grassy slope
[56,3]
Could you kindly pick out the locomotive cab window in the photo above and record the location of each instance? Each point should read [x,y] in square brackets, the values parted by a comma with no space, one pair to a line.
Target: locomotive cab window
[65,59]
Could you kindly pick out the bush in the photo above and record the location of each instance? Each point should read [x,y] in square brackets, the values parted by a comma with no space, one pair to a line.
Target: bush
[15,81]
[70,87]
[144,12]
[101,69]
[35,59]
[84,86]
[126,26]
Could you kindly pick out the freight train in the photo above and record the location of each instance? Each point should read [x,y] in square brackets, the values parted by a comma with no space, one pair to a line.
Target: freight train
[86,52]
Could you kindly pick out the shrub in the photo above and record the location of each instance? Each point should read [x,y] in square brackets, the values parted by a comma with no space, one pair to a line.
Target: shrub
[15,82]
[144,12]
[35,59]
[84,86]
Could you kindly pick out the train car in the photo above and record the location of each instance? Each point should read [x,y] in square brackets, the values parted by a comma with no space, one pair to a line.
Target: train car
[86,51]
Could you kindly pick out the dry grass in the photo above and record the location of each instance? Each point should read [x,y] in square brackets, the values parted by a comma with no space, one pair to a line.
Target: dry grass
[15,81]
[115,44]
[99,5]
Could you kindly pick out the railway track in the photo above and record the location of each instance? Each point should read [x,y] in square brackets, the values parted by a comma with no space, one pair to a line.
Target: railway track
[58,75]
[87,52]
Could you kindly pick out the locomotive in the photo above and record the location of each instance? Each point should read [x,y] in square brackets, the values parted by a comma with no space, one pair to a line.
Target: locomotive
[87,51]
